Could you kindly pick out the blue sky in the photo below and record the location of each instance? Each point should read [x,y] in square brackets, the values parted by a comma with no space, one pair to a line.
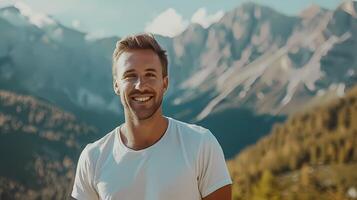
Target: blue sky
[167,17]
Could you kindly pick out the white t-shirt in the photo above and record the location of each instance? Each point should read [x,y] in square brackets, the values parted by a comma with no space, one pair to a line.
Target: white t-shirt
[186,163]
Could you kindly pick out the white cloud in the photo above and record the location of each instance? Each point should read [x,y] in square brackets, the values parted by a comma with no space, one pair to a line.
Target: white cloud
[201,17]
[96,34]
[168,23]
[76,24]
[36,18]
[5,3]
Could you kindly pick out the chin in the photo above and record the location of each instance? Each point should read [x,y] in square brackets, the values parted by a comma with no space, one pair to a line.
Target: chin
[143,118]
[143,115]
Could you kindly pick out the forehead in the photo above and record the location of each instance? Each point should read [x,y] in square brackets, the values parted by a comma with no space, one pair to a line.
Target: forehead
[138,60]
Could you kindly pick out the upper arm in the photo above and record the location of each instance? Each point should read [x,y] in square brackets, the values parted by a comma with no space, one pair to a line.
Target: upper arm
[212,169]
[83,187]
[223,193]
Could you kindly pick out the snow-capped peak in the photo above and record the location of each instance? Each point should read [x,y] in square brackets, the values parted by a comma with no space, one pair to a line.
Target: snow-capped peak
[36,18]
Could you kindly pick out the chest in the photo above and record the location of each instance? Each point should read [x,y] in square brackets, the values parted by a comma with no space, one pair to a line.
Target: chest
[148,176]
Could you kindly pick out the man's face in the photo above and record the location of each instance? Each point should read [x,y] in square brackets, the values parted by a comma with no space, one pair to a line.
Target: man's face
[139,83]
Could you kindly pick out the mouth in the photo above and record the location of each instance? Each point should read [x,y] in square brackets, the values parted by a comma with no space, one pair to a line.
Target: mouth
[142,99]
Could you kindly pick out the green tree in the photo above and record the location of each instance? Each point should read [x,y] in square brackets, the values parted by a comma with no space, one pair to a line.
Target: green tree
[266,188]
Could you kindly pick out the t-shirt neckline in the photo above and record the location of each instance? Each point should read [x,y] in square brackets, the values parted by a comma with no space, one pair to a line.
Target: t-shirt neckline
[149,148]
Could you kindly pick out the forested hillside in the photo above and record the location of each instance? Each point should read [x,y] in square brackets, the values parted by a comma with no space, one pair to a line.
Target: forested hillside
[39,148]
[313,155]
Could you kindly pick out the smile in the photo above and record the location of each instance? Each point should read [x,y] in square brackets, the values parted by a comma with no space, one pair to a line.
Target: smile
[142,99]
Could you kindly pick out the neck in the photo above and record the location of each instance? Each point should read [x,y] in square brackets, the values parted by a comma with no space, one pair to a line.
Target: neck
[139,134]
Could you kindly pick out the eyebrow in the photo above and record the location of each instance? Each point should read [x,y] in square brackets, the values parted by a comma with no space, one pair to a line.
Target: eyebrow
[133,70]
[150,70]
[129,71]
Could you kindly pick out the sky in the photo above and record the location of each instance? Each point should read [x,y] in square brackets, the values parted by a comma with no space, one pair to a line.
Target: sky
[103,18]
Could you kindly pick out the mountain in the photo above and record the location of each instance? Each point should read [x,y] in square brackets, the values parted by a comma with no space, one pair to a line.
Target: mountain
[313,155]
[58,63]
[277,66]
[270,63]
[39,147]
[237,77]
[254,63]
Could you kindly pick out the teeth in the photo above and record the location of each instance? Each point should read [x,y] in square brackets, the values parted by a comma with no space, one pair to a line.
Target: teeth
[142,99]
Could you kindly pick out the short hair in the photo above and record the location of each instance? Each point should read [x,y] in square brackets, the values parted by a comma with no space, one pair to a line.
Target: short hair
[140,41]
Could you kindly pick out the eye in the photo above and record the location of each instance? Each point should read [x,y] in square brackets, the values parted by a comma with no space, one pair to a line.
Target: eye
[127,76]
[151,75]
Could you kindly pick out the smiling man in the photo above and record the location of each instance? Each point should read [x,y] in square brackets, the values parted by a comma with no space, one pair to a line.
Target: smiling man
[150,156]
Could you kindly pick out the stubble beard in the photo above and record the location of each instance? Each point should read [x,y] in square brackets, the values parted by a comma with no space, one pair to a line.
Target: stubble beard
[148,113]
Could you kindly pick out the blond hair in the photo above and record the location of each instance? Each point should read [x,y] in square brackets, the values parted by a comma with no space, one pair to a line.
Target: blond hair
[139,41]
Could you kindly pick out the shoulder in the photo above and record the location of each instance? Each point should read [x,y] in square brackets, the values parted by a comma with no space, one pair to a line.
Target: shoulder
[94,150]
[189,128]
[193,133]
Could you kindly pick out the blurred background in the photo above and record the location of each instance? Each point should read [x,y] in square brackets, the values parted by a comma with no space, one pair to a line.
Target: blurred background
[275,81]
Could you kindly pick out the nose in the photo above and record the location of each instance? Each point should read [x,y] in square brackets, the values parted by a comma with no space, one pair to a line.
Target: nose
[140,84]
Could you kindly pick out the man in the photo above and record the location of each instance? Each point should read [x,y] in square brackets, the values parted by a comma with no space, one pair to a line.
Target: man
[150,156]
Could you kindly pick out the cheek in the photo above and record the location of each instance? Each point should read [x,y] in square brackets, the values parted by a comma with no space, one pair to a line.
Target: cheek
[125,101]
[124,87]
[122,98]
[124,91]
[158,84]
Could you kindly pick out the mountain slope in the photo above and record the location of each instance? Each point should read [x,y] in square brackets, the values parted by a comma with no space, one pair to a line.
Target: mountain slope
[259,59]
[259,63]
[312,155]
[39,146]
[254,57]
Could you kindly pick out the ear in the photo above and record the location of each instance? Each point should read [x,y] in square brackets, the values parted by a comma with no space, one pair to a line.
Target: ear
[116,86]
[166,83]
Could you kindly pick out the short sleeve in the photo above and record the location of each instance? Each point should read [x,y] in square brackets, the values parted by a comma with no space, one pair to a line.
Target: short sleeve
[83,188]
[212,169]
